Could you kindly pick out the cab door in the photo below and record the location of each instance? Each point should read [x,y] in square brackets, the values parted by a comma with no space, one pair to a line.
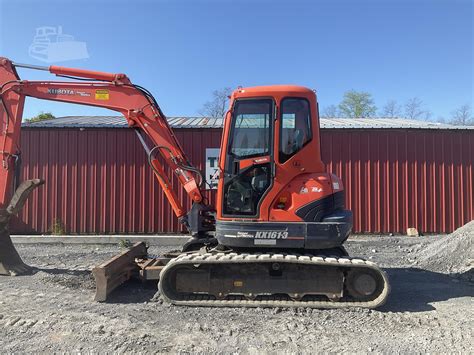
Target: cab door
[248,167]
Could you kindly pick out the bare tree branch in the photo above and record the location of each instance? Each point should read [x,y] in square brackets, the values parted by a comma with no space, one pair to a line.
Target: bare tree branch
[415,111]
[217,106]
[462,116]
[391,109]
[330,111]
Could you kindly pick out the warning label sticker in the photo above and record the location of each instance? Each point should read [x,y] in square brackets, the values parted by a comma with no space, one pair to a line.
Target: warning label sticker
[102,94]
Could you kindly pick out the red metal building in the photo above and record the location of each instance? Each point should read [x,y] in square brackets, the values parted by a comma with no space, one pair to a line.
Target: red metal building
[397,174]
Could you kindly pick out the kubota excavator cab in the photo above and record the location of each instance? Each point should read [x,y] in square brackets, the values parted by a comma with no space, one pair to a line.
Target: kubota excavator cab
[273,189]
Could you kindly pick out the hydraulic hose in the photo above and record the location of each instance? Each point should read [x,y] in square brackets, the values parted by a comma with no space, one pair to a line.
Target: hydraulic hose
[150,155]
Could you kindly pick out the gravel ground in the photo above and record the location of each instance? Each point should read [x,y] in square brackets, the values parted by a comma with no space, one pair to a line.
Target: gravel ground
[53,311]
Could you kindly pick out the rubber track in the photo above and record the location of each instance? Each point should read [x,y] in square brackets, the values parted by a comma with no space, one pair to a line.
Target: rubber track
[222,258]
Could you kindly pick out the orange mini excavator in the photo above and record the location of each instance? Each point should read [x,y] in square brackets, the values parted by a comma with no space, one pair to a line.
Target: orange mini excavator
[275,236]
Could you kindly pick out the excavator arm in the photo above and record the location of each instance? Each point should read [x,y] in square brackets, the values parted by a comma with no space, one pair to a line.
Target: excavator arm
[111,91]
[107,90]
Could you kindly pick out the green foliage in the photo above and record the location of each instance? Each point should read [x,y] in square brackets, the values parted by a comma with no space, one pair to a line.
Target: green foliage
[357,104]
[125,243]
[43,116]
[57,228]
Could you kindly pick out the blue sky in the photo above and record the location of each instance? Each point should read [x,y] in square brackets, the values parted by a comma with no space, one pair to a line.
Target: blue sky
[183,50]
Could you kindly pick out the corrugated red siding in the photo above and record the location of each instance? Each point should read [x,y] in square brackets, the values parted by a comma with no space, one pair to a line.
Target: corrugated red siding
[98,180]
[396,179]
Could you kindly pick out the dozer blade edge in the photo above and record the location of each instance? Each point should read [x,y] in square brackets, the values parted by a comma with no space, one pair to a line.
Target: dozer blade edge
[114,272]
[132,263]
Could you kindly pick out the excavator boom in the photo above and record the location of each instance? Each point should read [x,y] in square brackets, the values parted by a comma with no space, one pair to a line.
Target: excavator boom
[110,91]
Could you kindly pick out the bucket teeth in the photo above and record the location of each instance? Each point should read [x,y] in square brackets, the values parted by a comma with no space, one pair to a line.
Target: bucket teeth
[11,263]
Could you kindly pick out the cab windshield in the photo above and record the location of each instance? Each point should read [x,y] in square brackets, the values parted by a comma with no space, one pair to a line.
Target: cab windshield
[251,128]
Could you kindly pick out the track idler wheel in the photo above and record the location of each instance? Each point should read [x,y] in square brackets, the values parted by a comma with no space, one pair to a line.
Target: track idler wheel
[11,263]
[363,284]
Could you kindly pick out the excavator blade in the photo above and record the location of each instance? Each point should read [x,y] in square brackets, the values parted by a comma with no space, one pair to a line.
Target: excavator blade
[114,272]
[132,263]
[11,263]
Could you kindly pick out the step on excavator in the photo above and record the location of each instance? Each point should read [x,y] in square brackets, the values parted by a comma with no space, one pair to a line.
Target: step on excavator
[276,234]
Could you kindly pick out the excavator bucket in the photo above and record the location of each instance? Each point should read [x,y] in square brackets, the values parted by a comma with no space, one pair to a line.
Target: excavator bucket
[11,263]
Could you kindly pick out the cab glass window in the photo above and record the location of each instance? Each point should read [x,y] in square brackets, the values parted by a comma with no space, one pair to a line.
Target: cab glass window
[251,128]
[295,127]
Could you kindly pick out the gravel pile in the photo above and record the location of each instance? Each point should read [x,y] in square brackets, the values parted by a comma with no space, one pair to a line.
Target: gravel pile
[452,254]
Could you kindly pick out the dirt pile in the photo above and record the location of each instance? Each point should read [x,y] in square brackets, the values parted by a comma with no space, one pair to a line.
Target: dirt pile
[452,254]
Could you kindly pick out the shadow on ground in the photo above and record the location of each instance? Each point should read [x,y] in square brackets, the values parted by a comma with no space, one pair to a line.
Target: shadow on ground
[413,290]
[134,291]
[55,271]
[73,279]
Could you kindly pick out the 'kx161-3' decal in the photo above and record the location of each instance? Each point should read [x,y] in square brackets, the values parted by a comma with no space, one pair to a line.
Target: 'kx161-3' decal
[264,235]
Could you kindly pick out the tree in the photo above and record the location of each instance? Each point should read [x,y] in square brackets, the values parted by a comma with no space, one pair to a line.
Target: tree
[391,109]
[462,116]
[330,111]
[43,116]
[414,109]
[217,107]
[357,104]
